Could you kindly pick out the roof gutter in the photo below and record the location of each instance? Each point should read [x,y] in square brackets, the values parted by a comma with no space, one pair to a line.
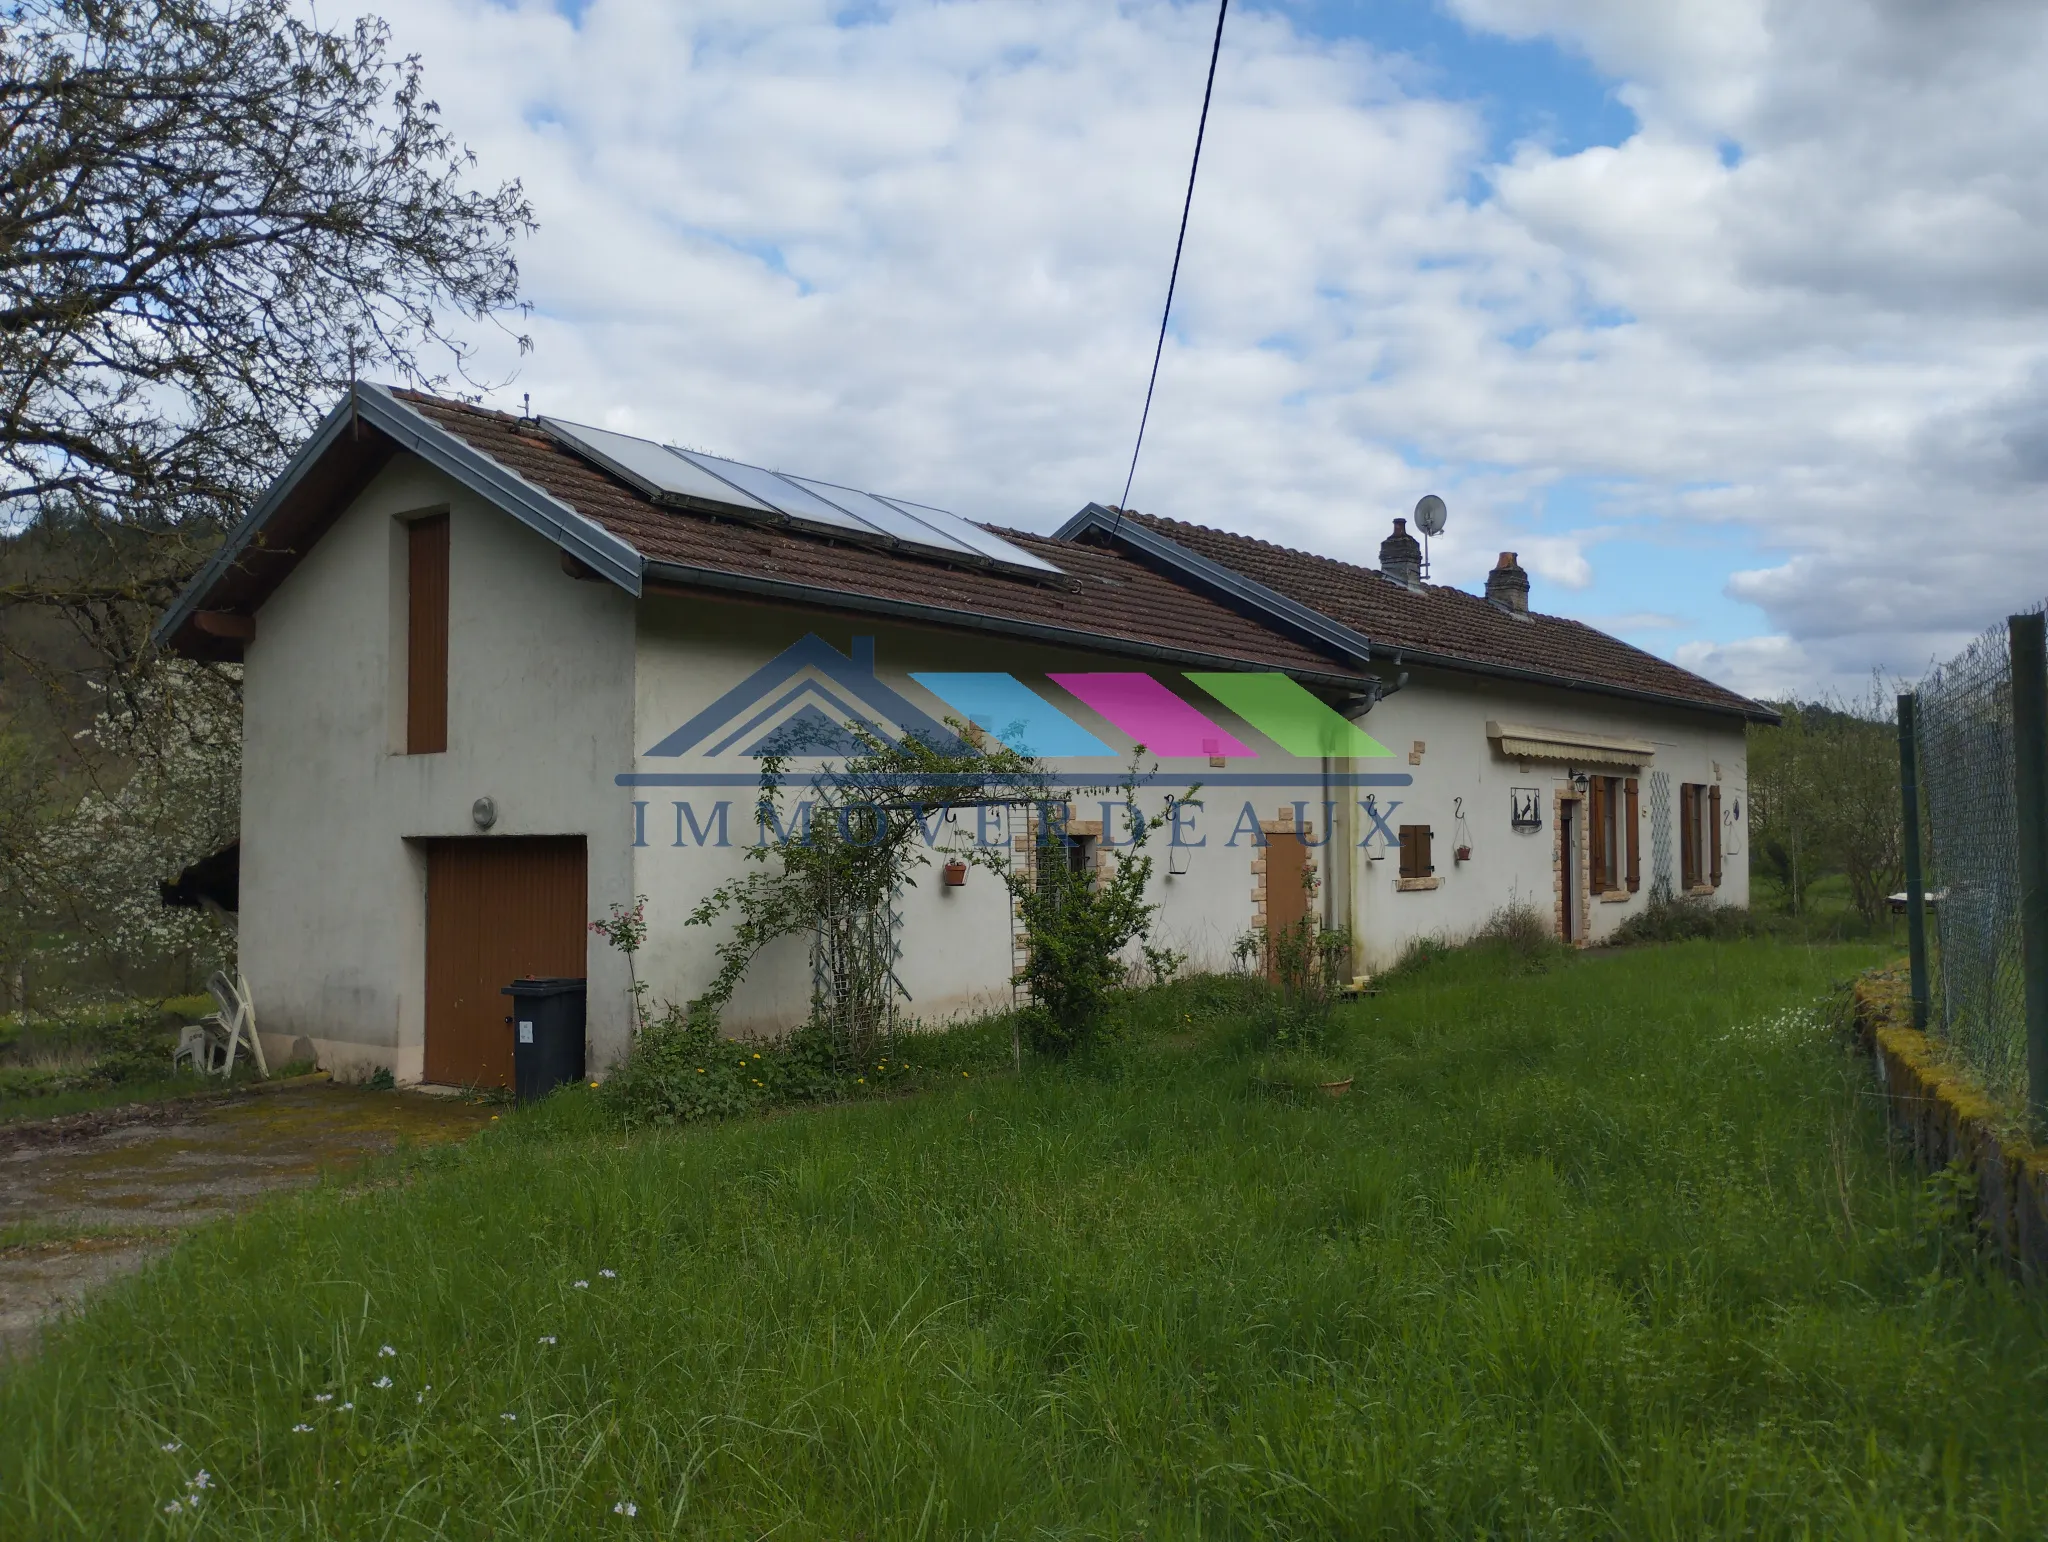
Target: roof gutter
[681,576]
[593,545]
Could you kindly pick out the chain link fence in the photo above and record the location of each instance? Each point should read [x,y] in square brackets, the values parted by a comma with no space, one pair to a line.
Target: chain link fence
[1966,776]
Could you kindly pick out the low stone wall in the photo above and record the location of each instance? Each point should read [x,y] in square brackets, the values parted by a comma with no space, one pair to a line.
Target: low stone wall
[1949,1120]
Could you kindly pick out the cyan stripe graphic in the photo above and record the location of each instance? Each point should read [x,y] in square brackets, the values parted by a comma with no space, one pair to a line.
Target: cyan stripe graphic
[1003,706]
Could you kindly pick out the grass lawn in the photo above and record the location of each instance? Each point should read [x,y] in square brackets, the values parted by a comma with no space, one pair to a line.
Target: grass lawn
[1617,1250]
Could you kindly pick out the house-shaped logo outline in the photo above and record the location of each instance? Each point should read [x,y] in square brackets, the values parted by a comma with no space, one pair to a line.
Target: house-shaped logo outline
[865,701]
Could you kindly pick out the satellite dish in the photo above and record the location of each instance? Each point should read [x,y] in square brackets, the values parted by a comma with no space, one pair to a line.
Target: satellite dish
[1429,514]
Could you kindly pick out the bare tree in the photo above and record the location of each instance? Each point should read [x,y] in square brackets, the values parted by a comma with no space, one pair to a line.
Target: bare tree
[211,213]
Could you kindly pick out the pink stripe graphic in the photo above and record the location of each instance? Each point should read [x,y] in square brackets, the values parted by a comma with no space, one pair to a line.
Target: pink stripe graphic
[1153,715]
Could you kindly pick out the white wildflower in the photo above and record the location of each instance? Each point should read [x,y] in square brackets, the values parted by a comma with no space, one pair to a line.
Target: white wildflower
[323,1397]
[509,1418]
[627,1508]
[344,1408]
[302,1429]
[200,1479]
[173,1507]
[381,1381]
[547,1338]
[174,1445]
[582,1285]
[387,1353]
[609,1274]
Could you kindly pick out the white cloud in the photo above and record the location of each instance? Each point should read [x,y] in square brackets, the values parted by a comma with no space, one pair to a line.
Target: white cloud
[925,252]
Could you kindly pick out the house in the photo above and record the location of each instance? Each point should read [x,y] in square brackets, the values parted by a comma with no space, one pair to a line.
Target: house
[502,672]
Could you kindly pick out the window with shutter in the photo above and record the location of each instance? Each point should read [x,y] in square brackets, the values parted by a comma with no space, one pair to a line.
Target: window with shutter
[1688,836]
[1598,849]
[1415,858]
[1712,833]
[1631,820]
[426,635]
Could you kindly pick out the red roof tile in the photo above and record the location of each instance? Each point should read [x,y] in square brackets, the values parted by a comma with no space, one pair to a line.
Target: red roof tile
[1452,624]
[1105,595]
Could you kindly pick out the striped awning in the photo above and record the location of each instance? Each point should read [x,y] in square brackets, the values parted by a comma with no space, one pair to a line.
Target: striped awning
[1523,741]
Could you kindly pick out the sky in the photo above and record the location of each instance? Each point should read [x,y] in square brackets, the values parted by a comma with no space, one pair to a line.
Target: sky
[1726,315]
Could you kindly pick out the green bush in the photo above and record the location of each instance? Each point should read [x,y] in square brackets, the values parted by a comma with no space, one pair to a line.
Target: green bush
[681,1070]
[1686,920]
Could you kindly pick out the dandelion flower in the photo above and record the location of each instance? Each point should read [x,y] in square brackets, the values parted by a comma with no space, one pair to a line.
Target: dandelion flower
[174,1445]
[323,1397]
[547,1338]
[494,1119]
[593,1086]
[860,1081]
[302,1429]
[581,1285]
[387,1353]
[700,1070]
[381,1381]
[627,1508]
[609,1274]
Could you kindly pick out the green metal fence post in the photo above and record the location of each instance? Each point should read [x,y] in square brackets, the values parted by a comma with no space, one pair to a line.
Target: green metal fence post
[1916,895]
[2030,797]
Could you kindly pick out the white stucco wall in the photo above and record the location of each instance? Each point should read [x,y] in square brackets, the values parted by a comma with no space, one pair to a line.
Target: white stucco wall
[540,670]
[1448,714]
[957,941]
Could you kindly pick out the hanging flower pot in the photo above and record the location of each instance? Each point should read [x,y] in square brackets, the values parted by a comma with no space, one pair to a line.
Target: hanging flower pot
[1464,853]
[955,873]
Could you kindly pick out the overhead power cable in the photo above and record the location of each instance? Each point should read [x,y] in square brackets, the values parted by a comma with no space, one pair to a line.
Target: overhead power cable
[1215,51]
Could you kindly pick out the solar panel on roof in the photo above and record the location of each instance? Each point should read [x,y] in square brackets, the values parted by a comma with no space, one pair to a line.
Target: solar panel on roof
[907,528]
[989,544]
[668,474]
[656,470]
[780,493]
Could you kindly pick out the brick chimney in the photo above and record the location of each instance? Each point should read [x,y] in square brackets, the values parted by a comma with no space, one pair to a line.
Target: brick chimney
[1401,556]
[1508,585]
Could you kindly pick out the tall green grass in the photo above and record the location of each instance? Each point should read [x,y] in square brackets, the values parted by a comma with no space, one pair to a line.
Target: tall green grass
[1613,1247]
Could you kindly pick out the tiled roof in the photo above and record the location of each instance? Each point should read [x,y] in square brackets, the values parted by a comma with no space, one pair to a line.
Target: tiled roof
[1106,594]
[1452,625]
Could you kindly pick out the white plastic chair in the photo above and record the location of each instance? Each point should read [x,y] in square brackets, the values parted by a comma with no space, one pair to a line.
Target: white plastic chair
[212,1042]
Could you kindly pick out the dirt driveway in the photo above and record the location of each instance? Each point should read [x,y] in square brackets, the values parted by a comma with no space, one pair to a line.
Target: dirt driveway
[85,1208]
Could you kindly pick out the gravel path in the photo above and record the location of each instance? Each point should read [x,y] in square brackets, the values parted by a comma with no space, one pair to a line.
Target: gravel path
[103,1200]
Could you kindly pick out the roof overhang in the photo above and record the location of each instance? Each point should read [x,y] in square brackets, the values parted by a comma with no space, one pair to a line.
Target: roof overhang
[676,578]
[1270,606]
[355,441]
[1522,741]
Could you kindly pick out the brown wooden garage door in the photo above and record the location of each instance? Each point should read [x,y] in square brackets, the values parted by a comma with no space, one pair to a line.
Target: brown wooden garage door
[497,910]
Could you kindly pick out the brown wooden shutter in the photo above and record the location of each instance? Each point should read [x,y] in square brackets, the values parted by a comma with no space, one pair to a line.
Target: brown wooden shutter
[426,635]
[1631,813]
[1415,861]
[1713,834]
[1688,830]
[1596,834]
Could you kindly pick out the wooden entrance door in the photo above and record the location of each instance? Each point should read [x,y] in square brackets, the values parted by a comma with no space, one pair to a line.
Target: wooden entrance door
[1287,900]
[497,910]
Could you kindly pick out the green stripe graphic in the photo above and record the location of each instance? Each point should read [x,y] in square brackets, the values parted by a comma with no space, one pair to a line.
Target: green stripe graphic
[1285,712]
